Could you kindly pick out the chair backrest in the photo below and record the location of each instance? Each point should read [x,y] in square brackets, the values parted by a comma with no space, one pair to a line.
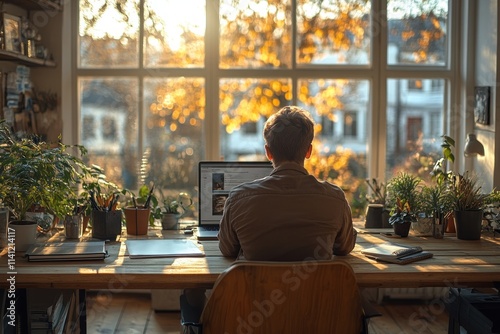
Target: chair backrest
[284,297]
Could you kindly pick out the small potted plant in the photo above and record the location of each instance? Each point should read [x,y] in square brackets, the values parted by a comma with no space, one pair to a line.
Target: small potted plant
[143,211]
[434,208]
[468,202]
[403,195]
[377,213]
[172,209]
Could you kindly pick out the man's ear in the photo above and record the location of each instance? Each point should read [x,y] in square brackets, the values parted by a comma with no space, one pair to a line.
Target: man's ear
[309,151]
[269,155]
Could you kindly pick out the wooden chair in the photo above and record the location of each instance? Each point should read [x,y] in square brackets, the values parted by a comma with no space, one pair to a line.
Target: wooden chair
[281,297]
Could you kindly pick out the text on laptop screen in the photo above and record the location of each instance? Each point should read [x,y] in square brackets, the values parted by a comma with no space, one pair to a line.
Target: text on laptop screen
[217,178]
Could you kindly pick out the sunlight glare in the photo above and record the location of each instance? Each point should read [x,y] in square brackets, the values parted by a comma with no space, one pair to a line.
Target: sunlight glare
[182,16]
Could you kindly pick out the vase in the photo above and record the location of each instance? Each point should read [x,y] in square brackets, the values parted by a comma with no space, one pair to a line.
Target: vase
[106,225]
[468,224]
[402,229]
[374,216]
[22,234]
[137,220]
[169,221]
[73,226]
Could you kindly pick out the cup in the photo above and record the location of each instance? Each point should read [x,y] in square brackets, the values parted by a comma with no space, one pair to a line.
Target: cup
[23,233]
[73,226]
[106,225]
[374,216]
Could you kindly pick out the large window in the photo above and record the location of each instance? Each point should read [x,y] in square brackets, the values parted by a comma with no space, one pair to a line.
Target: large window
[163,84]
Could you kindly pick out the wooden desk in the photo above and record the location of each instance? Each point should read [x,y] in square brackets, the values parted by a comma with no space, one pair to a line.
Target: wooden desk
[456,263]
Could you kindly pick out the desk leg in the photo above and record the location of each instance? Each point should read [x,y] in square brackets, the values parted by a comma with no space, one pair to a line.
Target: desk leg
[82,296]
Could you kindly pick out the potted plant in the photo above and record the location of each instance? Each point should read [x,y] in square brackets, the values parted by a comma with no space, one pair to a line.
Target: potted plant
[434,208]
[443,178]
[172,209]
[491,211]
[403,198]
[377,213]
[36,173]
[468,202]
[143,211]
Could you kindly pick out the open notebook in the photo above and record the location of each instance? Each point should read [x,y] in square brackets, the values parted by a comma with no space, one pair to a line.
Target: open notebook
[396,253]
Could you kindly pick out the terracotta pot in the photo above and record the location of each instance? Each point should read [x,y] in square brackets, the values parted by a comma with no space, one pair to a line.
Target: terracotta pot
[137,220]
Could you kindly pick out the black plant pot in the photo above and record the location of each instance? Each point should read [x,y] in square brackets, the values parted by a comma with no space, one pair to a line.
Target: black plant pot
[402,229]
[468,224]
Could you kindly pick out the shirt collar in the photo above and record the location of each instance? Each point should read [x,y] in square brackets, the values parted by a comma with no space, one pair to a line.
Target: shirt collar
[289,166]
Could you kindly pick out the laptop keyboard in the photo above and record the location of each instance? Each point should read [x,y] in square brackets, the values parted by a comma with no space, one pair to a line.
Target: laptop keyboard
[210,228]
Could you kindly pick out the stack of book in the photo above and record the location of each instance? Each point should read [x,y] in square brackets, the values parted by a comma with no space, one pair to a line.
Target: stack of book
[395,253]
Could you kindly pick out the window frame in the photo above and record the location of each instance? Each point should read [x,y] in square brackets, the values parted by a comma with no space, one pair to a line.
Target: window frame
[377,73]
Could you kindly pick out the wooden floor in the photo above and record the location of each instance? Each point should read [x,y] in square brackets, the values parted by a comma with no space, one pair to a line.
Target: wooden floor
[132,313]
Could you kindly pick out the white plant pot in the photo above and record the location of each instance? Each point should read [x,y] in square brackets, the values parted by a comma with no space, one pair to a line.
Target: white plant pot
[169,221]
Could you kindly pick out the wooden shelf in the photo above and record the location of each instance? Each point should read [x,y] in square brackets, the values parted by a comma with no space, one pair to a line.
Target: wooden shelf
[36,4]
[24,60]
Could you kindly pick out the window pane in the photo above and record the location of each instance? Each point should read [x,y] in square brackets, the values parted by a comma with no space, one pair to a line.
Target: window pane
[109,126]
[255,34]
[340,108]
[109,45]
[417,32]
[175,110]
[333,32]
[415,120]
[174,37]
[245,104]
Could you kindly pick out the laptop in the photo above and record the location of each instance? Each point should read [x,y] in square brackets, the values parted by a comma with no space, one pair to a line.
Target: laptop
[215,180]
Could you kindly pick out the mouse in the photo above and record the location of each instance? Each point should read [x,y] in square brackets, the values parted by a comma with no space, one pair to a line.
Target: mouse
[188,231]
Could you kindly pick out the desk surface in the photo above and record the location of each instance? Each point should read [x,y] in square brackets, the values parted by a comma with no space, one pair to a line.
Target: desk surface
[456,262]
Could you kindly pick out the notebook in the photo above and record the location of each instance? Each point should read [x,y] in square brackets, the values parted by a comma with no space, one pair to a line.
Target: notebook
[67,251]
[395,253]
[148,248]
[215,181]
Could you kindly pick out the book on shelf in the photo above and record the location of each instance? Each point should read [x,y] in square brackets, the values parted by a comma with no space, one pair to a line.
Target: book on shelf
[67,251]
[396,253]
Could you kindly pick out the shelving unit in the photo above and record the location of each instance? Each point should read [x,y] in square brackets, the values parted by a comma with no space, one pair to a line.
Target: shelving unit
[35,4]
[24,60]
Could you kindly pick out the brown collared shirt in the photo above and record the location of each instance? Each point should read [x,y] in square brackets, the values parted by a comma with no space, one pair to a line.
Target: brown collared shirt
[286,216]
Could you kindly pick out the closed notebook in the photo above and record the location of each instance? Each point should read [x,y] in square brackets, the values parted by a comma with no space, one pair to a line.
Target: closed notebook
[67,251]
[395,253]
[162,248]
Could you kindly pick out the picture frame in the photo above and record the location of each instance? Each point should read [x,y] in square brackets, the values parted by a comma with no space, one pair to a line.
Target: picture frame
[482,105]
[11,26]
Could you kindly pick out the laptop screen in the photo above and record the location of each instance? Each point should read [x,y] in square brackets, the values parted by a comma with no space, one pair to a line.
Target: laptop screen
[217,178]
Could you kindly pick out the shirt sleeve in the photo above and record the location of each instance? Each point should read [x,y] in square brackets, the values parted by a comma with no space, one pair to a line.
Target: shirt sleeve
[229,244]
[346,238]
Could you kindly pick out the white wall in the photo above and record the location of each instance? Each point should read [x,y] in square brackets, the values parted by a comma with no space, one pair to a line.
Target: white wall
[486,75]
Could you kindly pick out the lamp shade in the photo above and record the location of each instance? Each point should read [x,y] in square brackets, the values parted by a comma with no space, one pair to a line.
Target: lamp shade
[473,146]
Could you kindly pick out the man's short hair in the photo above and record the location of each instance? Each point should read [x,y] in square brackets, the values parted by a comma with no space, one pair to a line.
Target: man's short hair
[289,133]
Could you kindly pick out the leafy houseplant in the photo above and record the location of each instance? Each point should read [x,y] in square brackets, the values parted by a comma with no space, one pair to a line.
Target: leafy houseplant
[35,173]
[468,202]
[404,199]
[173,207]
